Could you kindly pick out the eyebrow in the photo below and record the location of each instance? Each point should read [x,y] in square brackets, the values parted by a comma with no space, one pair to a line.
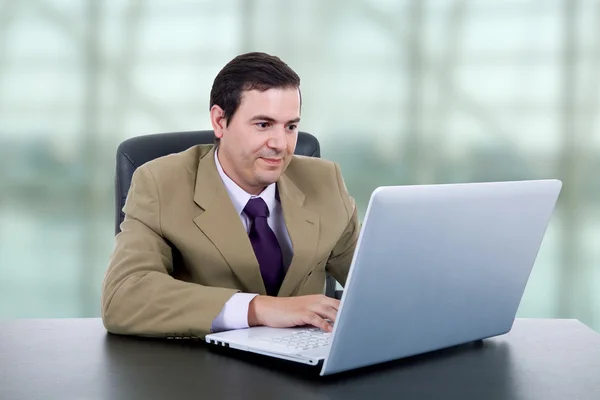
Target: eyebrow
[270,119]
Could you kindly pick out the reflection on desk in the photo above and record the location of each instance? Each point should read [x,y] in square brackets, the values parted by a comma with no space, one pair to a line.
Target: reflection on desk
[77,359]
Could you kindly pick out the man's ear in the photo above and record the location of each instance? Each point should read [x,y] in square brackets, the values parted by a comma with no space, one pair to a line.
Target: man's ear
[217,120]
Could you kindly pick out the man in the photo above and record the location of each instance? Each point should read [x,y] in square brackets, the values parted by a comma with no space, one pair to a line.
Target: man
[237,234]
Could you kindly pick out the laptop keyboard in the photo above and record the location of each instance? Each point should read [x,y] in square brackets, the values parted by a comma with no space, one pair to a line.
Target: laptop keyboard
[306,339]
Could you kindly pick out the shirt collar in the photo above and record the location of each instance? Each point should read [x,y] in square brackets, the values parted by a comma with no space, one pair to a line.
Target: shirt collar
[239,197]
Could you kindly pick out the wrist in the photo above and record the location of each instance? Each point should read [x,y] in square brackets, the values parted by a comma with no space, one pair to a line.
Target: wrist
[255,311]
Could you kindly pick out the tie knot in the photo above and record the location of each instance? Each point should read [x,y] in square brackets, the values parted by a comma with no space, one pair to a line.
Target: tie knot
[256,207]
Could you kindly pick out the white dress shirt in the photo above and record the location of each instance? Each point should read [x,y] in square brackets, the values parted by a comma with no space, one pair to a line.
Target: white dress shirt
[234,314]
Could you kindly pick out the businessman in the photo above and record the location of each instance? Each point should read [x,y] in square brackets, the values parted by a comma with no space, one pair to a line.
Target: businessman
[236,234]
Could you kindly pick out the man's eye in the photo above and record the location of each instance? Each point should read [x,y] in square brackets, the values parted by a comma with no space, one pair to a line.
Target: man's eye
[292,127]
[263,125]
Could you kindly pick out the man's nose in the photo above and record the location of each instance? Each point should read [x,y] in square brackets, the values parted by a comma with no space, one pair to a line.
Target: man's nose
[277,139]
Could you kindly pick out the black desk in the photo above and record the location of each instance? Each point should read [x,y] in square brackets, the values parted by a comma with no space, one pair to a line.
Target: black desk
[77,359]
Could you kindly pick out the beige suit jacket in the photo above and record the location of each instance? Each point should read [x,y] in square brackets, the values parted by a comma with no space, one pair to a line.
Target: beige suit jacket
[183,250]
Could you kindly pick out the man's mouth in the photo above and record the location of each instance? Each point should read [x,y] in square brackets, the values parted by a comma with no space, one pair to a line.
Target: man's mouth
[272,161]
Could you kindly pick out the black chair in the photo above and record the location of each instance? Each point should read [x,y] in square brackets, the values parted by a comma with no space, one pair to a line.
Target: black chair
[136,151]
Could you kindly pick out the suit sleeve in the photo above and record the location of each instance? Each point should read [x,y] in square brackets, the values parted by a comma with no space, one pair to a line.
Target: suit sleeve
[139,295]
[338,264]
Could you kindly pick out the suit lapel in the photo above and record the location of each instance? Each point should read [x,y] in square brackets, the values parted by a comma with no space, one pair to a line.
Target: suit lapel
[303,228]
[222,225]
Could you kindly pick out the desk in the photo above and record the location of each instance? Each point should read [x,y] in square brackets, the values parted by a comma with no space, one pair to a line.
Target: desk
[77,359]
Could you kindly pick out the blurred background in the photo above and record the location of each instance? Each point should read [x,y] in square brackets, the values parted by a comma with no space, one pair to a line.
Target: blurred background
[397,91]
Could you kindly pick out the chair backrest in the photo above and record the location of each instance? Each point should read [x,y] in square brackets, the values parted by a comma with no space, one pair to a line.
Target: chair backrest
[136,151]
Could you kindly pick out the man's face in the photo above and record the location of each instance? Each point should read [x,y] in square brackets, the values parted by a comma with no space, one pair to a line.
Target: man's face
[258,142]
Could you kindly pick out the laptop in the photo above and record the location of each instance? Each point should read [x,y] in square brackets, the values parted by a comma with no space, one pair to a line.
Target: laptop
[435,266]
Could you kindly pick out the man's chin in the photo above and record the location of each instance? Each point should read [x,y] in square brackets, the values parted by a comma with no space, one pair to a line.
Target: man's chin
[268,177]
[266,180]
[270,172]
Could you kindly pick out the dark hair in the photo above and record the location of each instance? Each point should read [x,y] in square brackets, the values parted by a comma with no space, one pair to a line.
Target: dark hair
[250,71]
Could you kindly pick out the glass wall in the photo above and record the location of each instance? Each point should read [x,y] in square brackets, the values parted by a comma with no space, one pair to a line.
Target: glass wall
[398,92]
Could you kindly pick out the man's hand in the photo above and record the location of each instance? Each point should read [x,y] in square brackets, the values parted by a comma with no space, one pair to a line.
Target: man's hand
[287,312]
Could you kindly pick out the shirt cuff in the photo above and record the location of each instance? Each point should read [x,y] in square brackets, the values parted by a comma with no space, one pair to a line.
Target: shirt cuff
[234,314]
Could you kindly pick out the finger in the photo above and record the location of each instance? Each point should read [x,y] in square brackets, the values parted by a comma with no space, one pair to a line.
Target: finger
[333,303]
[325,311]
[316,321]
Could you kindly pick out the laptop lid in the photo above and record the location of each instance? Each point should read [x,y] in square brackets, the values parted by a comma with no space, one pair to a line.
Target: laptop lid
[437,266]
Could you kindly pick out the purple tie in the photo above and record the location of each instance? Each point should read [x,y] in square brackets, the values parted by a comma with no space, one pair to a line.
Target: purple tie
[265,245]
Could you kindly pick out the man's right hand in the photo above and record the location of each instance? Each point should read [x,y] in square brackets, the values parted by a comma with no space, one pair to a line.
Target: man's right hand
[287,312]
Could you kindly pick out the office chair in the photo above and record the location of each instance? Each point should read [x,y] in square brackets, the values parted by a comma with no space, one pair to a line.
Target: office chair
[136,151]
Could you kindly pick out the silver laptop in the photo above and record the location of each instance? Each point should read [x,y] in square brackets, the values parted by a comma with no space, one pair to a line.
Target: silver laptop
[435,266]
